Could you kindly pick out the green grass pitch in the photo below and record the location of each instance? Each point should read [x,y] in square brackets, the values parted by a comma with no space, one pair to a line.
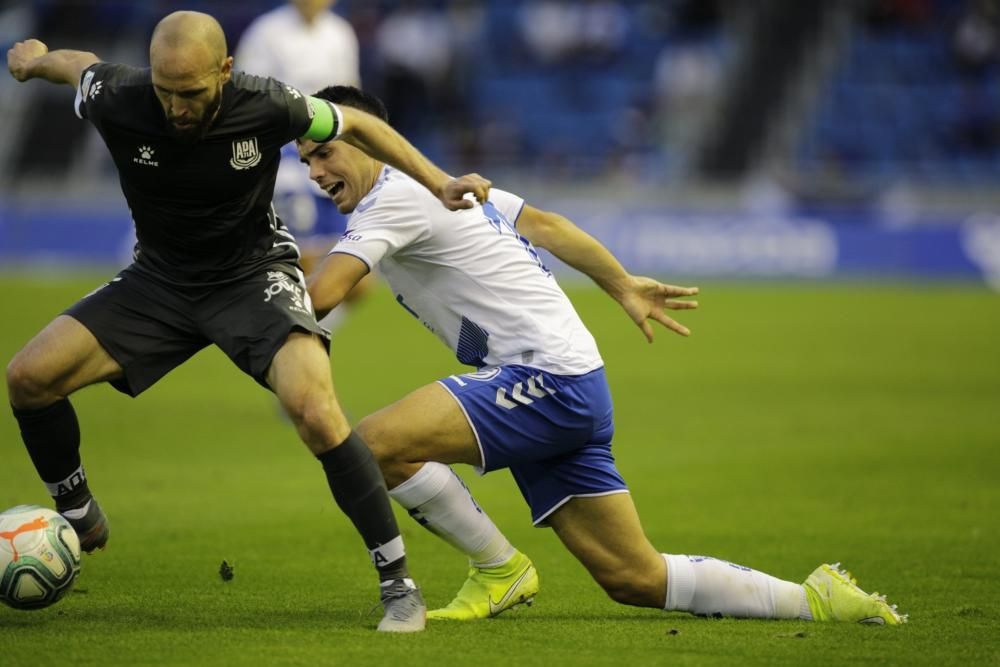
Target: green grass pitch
[801,423]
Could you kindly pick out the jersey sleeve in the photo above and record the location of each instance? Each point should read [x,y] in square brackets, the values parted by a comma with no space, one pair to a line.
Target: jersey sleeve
[507,203]
[310,117]
[300,111]
[95,89]
[383,224]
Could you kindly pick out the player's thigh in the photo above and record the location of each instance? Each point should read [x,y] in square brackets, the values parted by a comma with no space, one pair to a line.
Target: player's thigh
[300,366]
[606,536]
[426,425]
[61,358]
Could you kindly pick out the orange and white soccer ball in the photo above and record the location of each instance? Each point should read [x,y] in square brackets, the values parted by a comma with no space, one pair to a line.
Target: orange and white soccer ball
[39,557]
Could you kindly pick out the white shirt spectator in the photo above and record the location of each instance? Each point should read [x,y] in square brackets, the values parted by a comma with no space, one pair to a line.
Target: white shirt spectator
[417,40]
[309,56]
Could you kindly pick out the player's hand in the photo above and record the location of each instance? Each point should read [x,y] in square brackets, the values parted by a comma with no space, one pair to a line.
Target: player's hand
[454,191]
[21,55]
[646,299]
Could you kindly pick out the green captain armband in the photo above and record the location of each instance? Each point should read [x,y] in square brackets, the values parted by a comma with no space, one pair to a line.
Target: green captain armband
[327,121]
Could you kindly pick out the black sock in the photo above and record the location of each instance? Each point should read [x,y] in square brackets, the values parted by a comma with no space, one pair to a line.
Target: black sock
[360,492]
[52,438]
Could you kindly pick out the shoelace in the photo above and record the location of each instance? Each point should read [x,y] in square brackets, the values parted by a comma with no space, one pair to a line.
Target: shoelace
[388,594]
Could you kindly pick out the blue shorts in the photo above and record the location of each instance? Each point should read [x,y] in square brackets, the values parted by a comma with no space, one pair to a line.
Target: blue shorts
[553,431]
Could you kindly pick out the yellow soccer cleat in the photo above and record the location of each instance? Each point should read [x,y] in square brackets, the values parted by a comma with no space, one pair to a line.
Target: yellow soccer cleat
[833,595]
[490,591]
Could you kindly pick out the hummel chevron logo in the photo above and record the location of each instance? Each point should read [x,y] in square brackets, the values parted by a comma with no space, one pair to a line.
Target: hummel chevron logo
[535,387]
[504,602]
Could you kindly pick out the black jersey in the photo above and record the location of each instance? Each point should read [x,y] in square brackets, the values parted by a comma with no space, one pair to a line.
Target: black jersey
[202,210]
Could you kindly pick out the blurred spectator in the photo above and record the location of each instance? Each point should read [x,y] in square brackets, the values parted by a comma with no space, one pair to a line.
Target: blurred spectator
[977,37]
[305,45]
[302,43]
[550,29]
[415,49]
[687,82]
[467,25]
[603,27]
[557,31]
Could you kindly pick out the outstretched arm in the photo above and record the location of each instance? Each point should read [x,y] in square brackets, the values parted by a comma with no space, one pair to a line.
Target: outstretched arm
[377,139]
[642,298]
[336,276]
[31,59]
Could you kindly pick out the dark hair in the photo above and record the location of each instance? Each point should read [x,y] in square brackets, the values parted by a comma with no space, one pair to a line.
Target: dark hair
[349,96]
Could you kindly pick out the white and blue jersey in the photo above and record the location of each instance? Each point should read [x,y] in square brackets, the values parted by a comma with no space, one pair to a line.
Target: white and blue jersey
[469,277]
[539,403]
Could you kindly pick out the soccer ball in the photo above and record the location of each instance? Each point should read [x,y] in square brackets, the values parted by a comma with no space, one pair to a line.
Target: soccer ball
[39,557]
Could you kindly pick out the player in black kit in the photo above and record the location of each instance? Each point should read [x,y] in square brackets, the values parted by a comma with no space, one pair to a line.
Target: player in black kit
[197,147]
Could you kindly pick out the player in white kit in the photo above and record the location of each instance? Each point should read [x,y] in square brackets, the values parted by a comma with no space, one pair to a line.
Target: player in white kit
[538,403]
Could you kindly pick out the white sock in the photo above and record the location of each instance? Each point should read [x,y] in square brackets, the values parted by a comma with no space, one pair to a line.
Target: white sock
[710,587]
[438,499]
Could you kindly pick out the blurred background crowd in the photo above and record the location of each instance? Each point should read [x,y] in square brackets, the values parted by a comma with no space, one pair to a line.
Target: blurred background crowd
[890,106]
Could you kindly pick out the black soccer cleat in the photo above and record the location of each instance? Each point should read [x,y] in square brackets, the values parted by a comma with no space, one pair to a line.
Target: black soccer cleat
[90,524]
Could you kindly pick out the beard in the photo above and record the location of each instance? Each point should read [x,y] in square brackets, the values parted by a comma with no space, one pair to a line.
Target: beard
[195,133]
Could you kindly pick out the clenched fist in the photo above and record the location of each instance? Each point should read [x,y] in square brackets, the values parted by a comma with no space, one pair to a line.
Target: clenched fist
[21,55]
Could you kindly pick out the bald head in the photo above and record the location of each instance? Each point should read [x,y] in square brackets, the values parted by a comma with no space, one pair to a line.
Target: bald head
[192,37]
[187,57]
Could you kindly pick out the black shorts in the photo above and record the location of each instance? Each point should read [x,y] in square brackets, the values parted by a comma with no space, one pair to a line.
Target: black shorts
[150,327]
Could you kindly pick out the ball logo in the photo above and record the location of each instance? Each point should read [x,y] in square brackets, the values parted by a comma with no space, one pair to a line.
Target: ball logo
[246,154]
[37,524]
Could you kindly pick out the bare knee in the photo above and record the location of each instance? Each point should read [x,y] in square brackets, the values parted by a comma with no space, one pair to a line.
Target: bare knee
[377,439]
[25,387]
[386,448]
[317,418]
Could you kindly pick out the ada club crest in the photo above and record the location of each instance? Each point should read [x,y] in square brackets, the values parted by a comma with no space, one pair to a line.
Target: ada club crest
[246,154]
